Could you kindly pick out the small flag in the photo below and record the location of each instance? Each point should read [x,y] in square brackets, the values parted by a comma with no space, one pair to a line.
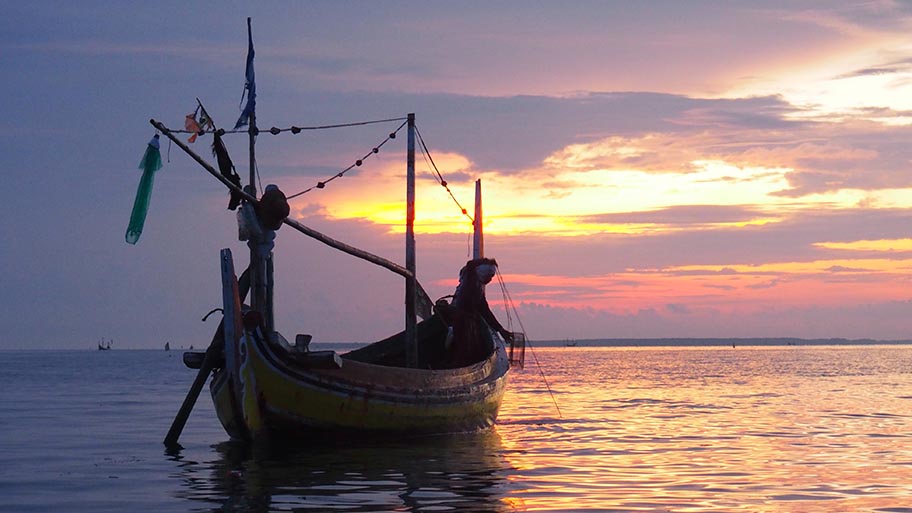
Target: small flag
[191,125]
[198,127]
[250,85]
[150,163]
[205,121]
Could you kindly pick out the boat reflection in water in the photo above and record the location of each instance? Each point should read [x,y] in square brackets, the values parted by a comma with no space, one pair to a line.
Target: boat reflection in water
[464,472]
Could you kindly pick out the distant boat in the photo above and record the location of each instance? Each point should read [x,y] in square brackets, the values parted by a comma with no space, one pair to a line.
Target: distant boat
[105,345]
[570,343]
[167,346]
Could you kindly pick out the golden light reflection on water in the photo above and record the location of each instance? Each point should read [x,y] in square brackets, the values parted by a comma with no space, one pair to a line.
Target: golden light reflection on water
[745,429]
[679,429]
[820,429]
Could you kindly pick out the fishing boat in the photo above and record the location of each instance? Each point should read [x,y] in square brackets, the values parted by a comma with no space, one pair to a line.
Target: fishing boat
[265,387]
[104,345]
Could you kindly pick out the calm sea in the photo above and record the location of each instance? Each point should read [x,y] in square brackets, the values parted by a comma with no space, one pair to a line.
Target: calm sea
[698,429]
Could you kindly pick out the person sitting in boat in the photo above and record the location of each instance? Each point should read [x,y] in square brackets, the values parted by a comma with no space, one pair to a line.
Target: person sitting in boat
[469,306]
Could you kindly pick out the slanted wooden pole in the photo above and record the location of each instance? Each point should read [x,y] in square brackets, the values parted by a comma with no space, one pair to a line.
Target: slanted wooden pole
[304,229]
[213,355]
[199,160]
[411,322]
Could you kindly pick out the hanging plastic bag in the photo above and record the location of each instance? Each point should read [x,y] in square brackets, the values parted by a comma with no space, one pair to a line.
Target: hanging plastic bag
[150,163]
[248,225]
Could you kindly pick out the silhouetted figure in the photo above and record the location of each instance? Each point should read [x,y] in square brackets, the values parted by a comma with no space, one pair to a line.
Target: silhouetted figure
[470,306]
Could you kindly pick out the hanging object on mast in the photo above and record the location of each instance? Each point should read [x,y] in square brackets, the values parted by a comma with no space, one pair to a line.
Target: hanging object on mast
[250,86]
[226,168]
[150,163]
[198,122]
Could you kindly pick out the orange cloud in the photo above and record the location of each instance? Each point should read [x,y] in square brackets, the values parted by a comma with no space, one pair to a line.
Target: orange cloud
[723,288]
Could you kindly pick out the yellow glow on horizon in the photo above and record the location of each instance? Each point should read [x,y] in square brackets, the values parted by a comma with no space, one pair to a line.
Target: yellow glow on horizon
[870,245]
[571,198]
[572,209]
[711,183]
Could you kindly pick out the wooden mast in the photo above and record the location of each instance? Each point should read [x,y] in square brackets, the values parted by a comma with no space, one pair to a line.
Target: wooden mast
[256,277]
[411,323]
[478,239]
[260,277]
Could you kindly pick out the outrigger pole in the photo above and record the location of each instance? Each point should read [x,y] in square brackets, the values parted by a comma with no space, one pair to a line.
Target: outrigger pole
[306,230]
[212,356]
[415,294]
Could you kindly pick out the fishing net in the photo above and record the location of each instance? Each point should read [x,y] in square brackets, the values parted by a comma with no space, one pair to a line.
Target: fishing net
[150,163]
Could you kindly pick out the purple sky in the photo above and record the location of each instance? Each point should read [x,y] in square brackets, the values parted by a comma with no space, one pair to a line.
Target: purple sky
[655,169]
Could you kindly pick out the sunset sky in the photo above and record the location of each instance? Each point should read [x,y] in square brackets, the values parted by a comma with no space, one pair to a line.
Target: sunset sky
[650,169]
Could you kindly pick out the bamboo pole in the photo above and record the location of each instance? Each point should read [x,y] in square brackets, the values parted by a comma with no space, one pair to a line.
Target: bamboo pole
[306,230]
[347,248]
[199,160]
[213,355]
[209,361]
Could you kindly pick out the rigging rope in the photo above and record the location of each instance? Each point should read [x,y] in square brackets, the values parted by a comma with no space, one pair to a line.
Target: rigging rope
[299,129]
[440,180]
[509,300]
[374,151]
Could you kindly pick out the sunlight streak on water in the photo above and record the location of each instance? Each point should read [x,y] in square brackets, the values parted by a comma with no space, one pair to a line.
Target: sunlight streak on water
[719,429]
[747,429]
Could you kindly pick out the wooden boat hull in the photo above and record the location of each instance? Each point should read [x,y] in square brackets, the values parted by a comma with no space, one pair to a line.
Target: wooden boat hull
[266,388]
[269,395]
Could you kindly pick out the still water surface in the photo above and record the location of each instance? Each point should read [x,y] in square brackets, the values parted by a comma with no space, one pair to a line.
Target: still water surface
[746,429]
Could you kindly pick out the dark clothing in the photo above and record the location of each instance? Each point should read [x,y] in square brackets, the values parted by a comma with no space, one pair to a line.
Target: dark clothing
[471,343]
[226,168]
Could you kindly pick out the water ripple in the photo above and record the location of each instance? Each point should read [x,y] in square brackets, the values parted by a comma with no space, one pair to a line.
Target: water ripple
[752,430]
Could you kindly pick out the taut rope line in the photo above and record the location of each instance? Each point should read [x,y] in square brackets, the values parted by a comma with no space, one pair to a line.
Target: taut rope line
[508,299]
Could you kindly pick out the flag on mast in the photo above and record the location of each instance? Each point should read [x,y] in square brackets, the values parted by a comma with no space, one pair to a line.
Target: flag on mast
[198,127]
[191,125]
[250,85]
